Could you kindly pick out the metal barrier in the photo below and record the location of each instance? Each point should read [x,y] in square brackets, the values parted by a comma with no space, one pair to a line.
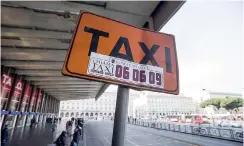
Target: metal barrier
[221,133]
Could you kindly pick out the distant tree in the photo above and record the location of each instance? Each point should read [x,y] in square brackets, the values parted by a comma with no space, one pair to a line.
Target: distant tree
[231,104]
[216,102]
[213,101]
[204,103]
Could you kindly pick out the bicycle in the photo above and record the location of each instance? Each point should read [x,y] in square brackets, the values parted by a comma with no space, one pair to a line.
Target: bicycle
[239,135]
[200,130]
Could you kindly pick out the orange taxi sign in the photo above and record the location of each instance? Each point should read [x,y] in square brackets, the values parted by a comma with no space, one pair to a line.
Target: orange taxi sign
[109,51]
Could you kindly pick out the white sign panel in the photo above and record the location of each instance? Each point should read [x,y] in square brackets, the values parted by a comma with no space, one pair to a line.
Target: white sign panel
[126,71]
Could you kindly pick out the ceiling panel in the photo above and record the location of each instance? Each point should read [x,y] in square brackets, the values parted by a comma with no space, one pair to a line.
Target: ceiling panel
[30,19]
[84,83]
[36,43]
[71,89]
[33,65]
[32,54]
[31,33]
[73,8]
[61,78]
[50,73]
[134,7]
[70,86]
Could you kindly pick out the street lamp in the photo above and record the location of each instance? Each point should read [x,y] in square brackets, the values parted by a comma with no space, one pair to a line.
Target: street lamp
[210,106]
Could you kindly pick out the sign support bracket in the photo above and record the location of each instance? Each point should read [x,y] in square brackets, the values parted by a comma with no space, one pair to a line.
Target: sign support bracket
[120,124]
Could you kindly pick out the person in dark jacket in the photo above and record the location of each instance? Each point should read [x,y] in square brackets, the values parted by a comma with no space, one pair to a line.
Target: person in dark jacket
[76,137]
[61,140]
[4,135]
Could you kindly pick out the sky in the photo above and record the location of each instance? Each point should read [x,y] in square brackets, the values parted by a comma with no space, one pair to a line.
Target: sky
[209,43]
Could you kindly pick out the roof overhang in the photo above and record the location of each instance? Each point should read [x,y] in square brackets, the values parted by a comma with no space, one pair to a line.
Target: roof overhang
[36,35]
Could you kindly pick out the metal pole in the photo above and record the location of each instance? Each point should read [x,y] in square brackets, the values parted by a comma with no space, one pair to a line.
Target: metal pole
[120,116]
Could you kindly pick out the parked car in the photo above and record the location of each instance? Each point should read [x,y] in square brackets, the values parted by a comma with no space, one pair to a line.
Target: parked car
[228,123]
[197,118]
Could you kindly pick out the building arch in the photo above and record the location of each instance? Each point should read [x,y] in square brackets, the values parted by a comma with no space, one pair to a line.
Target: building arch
[67,114]
[72,114]
[62,114]
[77,114]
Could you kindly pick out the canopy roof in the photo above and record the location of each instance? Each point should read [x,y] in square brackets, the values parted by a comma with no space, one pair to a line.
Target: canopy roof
[36,36]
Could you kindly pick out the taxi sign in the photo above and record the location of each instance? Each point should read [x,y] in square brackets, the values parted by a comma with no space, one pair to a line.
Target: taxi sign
[109,51]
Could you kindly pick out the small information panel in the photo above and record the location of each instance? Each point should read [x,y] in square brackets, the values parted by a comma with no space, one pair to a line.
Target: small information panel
[125,71]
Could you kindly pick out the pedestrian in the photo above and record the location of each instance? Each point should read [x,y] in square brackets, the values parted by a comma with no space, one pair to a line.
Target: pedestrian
[67,125]
[78,128]
[69,129]
[80,123]
[73,143]
[54,130]
[4,135]
[61,140]
[33,121]
[76,136]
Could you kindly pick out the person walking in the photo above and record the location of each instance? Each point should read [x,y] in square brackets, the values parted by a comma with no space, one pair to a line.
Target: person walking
[77,135]
[67,125]
[4,136]
[61,140]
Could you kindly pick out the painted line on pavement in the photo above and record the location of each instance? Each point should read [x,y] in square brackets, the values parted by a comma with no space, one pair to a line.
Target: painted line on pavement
[105,138]
[192,143]
[132,142]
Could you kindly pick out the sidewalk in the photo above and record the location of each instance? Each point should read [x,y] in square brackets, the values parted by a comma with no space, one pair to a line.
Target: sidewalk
[188,138]
[41,135]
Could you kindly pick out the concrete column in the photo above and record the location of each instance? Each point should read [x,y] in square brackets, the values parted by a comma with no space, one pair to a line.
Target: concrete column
[33,99]
[51,105]
[14,101]
[39,101]
[43,103]
[25,97]
[48,104]
[120,119]
[7,86]
[55,106]
[24,104]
